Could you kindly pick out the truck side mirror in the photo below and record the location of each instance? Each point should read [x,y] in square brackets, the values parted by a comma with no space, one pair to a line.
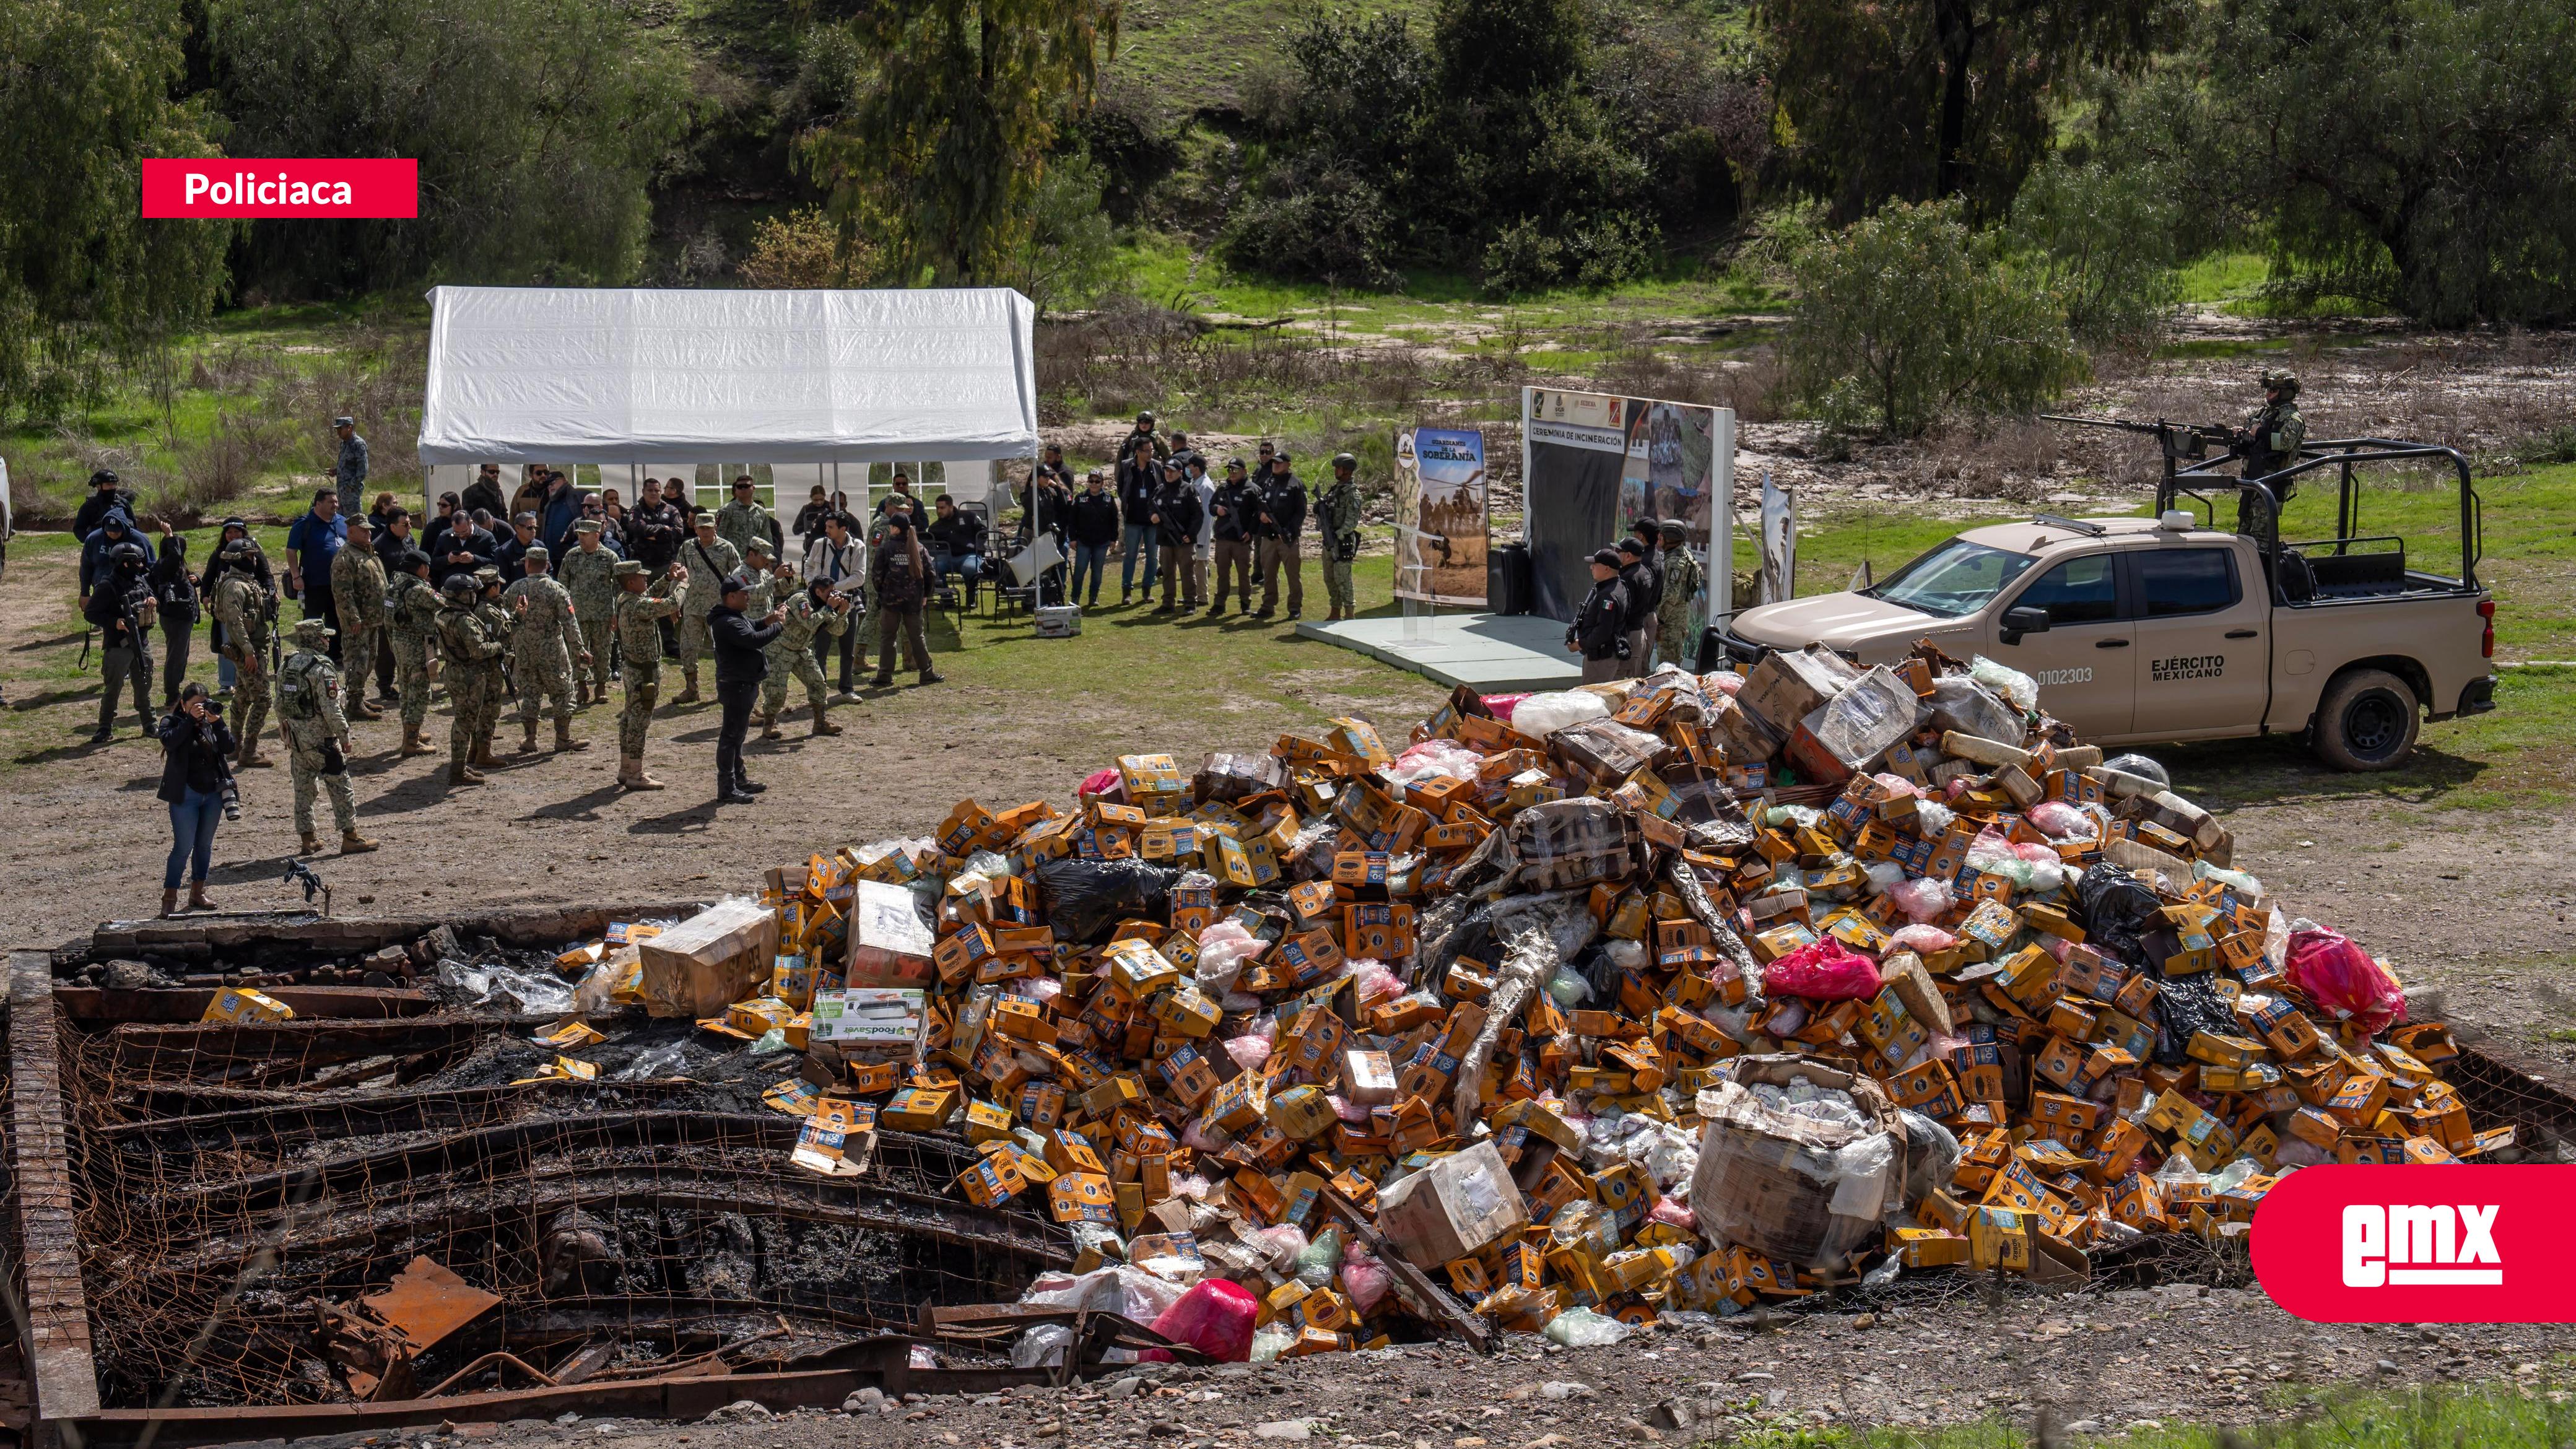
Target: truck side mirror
[2025,619]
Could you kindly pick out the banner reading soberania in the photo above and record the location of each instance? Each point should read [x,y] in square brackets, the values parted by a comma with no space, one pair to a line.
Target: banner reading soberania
[1440,515]
[1598,463]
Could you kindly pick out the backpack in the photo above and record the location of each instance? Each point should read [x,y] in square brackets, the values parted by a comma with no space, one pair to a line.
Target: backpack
[299,697]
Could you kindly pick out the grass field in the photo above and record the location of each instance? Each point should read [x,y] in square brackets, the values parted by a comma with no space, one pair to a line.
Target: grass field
[2495,1416]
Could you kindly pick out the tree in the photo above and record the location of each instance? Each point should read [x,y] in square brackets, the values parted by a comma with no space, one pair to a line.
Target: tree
[2414,153]
[1903,320]
[953,121]
[85,282]
[804,250]
[2103,238]
[538,125]
[1916,99]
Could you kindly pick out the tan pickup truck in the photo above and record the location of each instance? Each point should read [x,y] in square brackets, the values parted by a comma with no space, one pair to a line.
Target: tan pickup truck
[2144,630]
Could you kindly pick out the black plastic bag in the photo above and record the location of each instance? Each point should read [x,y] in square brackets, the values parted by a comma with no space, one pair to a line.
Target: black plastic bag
[1086,899]
[2117,910]
[2184,1005]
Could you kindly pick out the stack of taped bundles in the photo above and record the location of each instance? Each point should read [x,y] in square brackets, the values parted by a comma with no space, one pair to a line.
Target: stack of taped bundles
[1609,1018]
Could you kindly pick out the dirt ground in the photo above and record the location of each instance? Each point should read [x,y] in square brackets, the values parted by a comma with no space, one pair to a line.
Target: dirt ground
[2089,1365]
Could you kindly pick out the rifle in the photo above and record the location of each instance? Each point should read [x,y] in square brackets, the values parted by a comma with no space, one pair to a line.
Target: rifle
[276,657]
[2179,440]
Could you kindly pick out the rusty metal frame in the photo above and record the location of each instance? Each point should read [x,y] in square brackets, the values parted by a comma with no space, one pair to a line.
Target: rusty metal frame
[57,1344]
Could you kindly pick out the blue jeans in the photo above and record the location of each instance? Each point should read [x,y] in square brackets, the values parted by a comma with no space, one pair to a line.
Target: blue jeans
[1141,541]
[1092,560]
[192,835]
[969,565]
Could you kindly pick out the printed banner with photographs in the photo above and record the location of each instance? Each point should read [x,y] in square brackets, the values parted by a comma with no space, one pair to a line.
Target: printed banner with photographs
[1598,462]
[1440,513]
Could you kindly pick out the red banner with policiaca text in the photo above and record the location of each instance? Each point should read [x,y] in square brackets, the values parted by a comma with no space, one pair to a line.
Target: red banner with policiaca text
[2419,1244]
[266,186]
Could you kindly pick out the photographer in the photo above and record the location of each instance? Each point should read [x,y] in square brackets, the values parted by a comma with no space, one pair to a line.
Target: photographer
[120,607]
[196,775]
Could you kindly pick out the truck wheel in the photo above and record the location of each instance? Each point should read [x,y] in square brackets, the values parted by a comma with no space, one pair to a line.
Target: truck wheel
[2367,721]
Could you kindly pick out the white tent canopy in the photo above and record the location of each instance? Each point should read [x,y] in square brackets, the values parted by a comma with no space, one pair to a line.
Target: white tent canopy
[575,375]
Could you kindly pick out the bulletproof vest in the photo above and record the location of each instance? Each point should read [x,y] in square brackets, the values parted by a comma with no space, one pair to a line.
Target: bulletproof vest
[299,689]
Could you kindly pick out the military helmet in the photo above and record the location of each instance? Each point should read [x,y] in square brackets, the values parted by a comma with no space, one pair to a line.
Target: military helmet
[102,478]
[1671,528]
[311,631]
[458,586]
[412,558]
[126,553]
[236,549]
[1345,460]
[2281,380]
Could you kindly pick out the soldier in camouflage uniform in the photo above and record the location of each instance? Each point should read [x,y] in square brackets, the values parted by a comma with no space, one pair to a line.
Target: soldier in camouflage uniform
[588,574]
[358,593]
[639,647]
[544,642]
[743,521]
[2270,442]
[1675,642]
[309,714]
[502,625]
[812,610]
[246,612]
[413,606]
[1337,514]
[710,561]
[473,655]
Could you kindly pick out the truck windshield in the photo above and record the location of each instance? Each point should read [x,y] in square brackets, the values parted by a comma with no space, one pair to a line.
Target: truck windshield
[1955,578]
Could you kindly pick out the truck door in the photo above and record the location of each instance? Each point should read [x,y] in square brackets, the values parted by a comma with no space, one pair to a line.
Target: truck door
[2204,660]
[2082,659]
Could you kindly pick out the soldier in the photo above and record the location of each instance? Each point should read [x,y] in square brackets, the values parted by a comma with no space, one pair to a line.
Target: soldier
[349,470]
[358,593]
[1337,517]
[119,606]
[544,639]
[502,625]
[710,561]
[412,622]
[636,623]
[743,520]
[768,586]
[473,654]
[1674,640]
[317,737]
[812,610]
[248,614]
[589,575]
[2270,442]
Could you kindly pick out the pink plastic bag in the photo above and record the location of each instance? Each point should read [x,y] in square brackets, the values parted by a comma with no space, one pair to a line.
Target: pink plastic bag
[1214,1317]
[1825,971]
[1923,940]
[1368,1280]
[2341,978]
[1101,782]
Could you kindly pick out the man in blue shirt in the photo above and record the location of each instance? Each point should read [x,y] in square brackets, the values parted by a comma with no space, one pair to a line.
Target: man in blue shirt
[311,542]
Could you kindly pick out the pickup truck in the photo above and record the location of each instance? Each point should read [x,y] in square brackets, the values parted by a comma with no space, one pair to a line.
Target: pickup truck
[2143,630]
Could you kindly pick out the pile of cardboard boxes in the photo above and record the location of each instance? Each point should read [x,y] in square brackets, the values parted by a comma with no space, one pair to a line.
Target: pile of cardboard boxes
[1729,989]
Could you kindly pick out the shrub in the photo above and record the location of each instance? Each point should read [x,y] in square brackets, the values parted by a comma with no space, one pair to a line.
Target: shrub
[2102,237]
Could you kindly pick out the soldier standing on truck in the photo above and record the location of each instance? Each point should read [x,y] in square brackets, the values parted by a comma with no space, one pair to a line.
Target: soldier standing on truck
[2270,442]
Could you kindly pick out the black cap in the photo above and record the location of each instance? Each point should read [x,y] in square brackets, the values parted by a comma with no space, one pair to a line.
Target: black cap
[1647,524]
[737,583]
[412,558]
[1608,558]
[1631,547]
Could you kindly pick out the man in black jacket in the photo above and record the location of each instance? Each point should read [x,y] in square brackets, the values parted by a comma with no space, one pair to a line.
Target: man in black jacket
[1599,630]
[1091,520]
[741,663]
[176,607]
[1176,518]
[1237,507]
[1282,525]
[120,608]
[956,541]
[1644,589]
[485,493]
[104,493]
[1140,477]
[466,546]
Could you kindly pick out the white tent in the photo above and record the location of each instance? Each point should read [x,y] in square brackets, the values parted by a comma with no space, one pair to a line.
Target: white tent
[570,375]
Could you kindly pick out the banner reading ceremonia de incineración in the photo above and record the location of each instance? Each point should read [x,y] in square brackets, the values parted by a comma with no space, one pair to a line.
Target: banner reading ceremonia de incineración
[270,186]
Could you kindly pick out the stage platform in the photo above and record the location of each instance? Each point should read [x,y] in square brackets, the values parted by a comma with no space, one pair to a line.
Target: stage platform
[1489,653]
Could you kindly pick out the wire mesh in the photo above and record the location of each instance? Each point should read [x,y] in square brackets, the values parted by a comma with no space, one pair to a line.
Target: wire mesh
[241,1187]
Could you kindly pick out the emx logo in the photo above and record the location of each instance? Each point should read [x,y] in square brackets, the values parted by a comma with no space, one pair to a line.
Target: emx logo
[2421,1245]
[2390,1244]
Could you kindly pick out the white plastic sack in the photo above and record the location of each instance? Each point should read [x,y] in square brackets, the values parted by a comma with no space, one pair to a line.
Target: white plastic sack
[1542,715]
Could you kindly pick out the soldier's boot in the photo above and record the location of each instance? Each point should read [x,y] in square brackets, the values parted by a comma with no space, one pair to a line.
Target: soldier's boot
[412,743]
[480,757]
[352,843]
[769,725]
[365,709]
[528,742]
[630,773]
[312,844]
[689,691]
[252,759]
[581,694]
[564,740]
[823,721]
[458,775]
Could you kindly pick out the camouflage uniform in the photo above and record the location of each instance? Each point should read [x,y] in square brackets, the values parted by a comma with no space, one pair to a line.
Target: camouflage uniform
[1674,640]
[242,607]
[639,657]
[588,574]
[1337,514]
[310,716]
[709,566]
[542,642]
[473,654]
[741,524]
[502,626]
[413,625]
[2270,443]
[358,588]
[792,652]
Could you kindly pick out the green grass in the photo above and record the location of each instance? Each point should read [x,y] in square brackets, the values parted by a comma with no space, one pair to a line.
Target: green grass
[1198,53]
[2491,1416]
[2224,277]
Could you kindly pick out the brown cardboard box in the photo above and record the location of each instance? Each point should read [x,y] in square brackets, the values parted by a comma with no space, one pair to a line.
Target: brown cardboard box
[1452,1208]
[715,958]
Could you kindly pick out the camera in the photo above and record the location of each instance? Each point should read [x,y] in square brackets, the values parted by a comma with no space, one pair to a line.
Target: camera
[232,800]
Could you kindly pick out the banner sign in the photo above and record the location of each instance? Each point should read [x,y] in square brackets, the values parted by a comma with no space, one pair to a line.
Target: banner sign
[262,186]
[2418,1243]
[1440,514]
[1597,462]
